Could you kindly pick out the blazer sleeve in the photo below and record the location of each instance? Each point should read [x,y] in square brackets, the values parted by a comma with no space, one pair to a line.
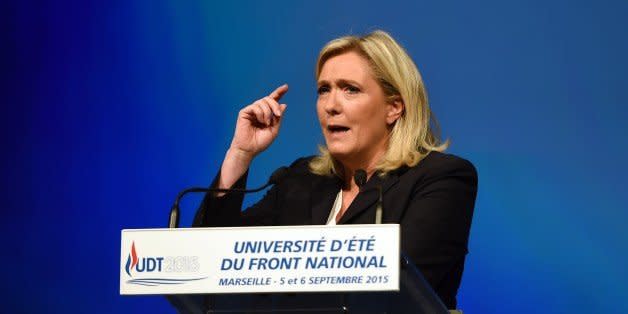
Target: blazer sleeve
[226,211]
[437,223]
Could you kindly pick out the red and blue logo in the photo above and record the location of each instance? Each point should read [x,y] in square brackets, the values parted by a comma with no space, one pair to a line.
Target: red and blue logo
[159,265]
[145,264]
[131,261]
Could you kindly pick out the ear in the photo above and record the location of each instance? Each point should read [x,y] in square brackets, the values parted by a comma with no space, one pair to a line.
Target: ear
[395,110]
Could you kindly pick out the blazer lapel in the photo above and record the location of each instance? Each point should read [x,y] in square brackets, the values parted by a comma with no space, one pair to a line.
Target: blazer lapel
[368,195]
[324,193]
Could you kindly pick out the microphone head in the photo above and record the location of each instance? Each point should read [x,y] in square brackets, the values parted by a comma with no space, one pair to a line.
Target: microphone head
[278,175]
[359,177]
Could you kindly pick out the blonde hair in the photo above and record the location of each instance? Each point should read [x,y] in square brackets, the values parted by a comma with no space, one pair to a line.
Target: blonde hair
[413,136]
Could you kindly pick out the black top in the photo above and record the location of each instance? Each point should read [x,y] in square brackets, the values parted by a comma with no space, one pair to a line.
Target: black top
[432,201]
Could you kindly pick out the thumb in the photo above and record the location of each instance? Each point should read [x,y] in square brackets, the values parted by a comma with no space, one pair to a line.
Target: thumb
[278,119]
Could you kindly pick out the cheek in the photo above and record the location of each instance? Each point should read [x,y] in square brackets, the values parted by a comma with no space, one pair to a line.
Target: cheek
[373,124]
[321,117]
[366,115]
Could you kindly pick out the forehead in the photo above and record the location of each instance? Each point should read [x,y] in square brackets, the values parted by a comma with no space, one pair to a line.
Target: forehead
[346,66]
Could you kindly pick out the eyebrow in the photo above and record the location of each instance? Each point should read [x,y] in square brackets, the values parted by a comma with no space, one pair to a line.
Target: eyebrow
[339,82]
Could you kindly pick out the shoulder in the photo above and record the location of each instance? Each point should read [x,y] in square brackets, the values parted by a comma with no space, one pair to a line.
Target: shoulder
[436,166]
[300,169]
[438,163]
[299,181]
[301,166]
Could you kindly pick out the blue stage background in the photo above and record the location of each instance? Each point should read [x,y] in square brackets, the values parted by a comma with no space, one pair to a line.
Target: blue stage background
[110,108]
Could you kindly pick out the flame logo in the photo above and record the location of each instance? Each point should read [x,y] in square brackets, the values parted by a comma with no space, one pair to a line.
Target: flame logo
[131,260]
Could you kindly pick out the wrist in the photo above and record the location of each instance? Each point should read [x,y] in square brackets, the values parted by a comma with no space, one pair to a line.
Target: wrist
[239,156]
[236,163]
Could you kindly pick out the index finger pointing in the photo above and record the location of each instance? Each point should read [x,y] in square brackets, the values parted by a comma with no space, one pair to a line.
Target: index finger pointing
[279,92]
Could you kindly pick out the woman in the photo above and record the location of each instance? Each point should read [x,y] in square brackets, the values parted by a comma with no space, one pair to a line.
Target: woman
[373,112]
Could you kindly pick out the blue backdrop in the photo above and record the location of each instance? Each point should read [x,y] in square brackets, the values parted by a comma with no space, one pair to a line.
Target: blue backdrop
[110,107]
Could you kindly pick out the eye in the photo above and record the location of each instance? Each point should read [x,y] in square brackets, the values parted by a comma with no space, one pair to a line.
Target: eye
[352,89]
[323,89]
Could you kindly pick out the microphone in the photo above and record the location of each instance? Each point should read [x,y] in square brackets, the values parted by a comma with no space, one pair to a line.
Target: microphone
[173,222]
[379,210]
[360,179]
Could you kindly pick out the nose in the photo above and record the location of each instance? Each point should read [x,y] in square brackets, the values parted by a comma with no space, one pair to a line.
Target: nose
[332,104]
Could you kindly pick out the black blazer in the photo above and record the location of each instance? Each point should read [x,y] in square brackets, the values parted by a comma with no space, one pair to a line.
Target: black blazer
[433,202]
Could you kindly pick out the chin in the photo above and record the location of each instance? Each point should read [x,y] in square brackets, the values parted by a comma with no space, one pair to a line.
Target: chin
[339,153]
[341,148]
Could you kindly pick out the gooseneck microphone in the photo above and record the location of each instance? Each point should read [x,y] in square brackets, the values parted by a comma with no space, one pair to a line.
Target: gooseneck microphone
[360,179]
[359,176]
[379,210]
[173,222]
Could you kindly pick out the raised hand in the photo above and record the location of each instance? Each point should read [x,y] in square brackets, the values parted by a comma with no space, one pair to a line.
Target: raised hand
[258,123]
[256,128]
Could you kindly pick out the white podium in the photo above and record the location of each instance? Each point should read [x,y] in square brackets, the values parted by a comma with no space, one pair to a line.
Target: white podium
[290,269]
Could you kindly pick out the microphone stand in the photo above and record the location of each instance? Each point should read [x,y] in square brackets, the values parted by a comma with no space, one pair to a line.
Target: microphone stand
[173,221]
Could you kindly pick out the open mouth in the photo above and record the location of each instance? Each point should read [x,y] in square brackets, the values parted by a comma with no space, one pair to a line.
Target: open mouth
[337,129]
